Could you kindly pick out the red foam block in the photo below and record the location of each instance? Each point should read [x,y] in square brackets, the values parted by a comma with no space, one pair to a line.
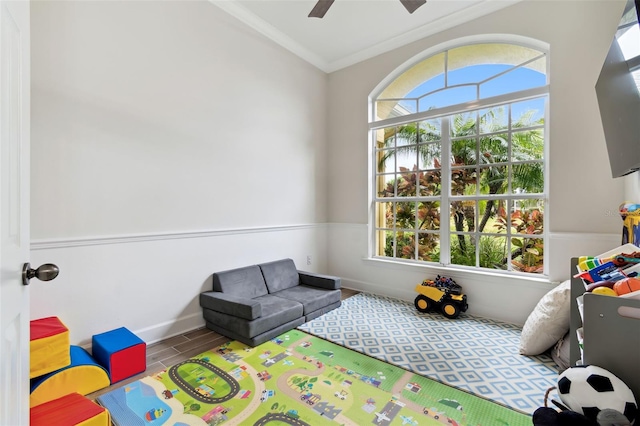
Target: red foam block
[128,362]
[71,409]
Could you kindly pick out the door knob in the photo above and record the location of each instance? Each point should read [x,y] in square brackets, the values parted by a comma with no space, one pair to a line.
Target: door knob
[45,272]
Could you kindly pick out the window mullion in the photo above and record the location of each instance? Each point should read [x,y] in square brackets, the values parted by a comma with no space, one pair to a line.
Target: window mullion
[446,68]
[476,232]
[522,95]
[509,182]
[416,224]
[394,244]
[445,207]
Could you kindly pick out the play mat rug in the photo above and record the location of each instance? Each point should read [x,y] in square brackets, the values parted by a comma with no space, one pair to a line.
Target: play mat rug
[479,355]
[297,379]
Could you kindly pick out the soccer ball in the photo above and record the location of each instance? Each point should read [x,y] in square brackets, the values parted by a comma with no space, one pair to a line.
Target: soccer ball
[589,389]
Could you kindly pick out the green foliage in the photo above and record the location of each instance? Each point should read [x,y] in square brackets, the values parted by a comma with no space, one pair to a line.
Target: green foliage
[476,161]
[463,251]
[528,253]
[492,252]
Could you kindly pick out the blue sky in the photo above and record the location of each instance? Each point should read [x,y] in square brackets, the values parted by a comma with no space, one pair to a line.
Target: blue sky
[519,79]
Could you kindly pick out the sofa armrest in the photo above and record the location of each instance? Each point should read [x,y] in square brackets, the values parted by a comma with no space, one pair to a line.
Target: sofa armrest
[249,309]
[321,281]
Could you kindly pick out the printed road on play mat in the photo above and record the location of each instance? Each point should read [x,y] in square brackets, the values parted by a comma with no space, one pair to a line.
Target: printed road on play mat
[297,379]
[476,354]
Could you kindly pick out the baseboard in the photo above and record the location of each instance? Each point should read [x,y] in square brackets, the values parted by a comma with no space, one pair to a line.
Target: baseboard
[168,329]
[396,293]
[165,330]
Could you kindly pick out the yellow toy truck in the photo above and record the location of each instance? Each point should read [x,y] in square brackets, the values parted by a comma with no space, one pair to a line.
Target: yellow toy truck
[443,294]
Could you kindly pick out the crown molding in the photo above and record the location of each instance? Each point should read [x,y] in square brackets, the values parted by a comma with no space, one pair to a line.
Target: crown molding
[478,10]
[252,20]
[235,9]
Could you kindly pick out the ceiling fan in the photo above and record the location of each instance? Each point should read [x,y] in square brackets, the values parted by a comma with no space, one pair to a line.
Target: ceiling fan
[322,6]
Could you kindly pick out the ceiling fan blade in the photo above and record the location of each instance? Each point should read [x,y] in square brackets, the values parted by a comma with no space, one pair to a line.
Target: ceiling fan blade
[412,5]
[321,8]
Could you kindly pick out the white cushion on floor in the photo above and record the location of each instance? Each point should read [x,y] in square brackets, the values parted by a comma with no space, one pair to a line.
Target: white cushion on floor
[548,322]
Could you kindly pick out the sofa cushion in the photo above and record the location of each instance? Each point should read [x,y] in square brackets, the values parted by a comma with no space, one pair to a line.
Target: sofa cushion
[260,338]
[280,275]
[245,282]
[275,311]
[311,298]
[232,305]
[322,311]
[317,280]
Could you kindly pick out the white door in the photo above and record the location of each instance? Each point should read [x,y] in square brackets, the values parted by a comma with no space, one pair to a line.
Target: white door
[14,211]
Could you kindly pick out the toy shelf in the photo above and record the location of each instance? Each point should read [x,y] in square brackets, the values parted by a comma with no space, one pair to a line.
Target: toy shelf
[611,336]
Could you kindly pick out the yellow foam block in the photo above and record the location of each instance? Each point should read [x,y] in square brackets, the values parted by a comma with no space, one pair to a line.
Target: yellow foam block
[84,376]
[49,346]
[102,419]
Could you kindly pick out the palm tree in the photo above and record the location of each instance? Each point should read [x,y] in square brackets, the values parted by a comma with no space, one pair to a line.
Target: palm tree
[489,169]
[527,146]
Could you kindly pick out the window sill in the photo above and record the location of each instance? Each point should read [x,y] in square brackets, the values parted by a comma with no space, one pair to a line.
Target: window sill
[460,272]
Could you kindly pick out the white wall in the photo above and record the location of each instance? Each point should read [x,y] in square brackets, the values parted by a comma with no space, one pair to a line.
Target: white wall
[583,199]
[632,187]
[150,284]
[168,141]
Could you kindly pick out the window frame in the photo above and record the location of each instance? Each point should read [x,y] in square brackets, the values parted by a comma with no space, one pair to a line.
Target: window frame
[377,244]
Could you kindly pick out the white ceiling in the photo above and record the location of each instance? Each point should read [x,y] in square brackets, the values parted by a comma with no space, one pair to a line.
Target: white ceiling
[352,30]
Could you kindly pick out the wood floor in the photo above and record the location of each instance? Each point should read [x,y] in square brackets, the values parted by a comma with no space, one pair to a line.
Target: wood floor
[171,351]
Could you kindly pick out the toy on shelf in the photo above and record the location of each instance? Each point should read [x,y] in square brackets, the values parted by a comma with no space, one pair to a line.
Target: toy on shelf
[630,213]
[626,258]
[628,207]
[442,293]
[614,273]
[612,269]
[612,266]
[626,285]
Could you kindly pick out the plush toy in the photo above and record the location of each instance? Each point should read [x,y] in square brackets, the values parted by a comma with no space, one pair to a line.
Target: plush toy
[546,416]
[590,396]
[590,389]
[609,417]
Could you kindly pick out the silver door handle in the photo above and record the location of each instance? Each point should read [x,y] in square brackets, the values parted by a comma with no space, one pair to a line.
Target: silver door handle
[45,272]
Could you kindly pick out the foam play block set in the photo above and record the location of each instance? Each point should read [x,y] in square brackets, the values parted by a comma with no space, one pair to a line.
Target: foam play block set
[121,352]
[69,410]
[83,375]
[49,346]
[62,373]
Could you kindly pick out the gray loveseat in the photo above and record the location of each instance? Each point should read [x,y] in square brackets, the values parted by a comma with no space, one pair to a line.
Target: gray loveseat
[256,303]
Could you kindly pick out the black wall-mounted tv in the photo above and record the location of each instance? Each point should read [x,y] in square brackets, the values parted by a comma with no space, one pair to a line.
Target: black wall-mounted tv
[618,93]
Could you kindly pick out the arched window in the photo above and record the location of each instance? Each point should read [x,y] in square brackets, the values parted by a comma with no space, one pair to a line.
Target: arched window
[459,159]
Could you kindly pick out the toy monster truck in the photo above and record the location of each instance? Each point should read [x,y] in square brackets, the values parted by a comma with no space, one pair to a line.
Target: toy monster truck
[443,294]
